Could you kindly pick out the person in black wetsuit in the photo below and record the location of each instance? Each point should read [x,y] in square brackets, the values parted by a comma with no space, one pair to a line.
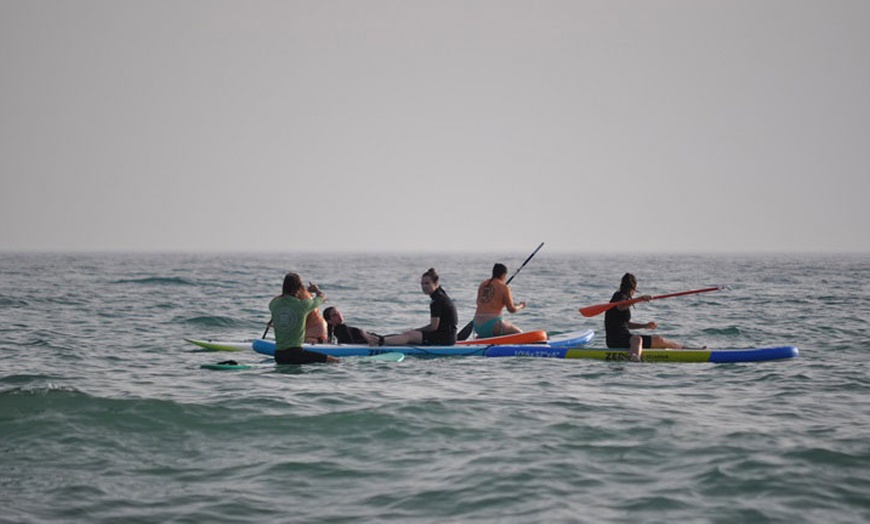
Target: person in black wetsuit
[344,334]
[617,323]
[441,330]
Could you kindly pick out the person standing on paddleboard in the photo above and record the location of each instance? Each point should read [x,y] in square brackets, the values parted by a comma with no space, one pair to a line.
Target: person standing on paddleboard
[494,295]
[617,323]
[441,330]
[289,312]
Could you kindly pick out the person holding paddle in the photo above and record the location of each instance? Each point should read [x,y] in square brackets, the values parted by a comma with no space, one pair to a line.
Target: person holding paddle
[289,312]
[617,323]
[494,295]
[465,332]
[441,330]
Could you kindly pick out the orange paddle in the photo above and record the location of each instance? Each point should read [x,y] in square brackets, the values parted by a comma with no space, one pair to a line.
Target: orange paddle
[598,309]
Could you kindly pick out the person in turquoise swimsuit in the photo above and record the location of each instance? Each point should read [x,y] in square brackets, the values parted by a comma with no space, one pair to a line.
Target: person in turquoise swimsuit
[493,296]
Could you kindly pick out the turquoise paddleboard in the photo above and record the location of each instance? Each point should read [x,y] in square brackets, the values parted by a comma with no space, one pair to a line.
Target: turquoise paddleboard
[393,356]
[231,365]
[227,365]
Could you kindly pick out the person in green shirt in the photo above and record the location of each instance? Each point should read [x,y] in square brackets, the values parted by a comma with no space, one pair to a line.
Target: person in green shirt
[289,311]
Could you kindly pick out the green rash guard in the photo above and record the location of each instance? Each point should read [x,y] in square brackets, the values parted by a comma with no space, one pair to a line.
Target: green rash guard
[288,319]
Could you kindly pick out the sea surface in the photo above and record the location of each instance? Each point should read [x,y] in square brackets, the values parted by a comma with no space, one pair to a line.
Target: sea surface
[106,416]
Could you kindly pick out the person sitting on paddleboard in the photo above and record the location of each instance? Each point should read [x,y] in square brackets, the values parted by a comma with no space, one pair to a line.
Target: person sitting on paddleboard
[289,312]
[493,295]
[441,330]
[316,330]
[617,323]
[343,333]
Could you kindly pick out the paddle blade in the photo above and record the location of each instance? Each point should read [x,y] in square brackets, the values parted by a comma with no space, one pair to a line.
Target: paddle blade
[465,332]
[597,309]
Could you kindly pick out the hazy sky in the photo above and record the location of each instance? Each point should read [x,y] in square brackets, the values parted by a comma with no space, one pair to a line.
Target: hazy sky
[595,126]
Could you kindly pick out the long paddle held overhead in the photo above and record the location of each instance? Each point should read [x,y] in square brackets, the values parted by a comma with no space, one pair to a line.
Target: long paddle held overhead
[466,331]
[598,309]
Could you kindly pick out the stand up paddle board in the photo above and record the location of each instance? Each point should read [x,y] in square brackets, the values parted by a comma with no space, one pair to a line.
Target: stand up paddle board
[232,365]
[718,356]
[567,340]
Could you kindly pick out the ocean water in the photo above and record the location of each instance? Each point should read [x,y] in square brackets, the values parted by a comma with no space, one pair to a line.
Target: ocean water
[105,415]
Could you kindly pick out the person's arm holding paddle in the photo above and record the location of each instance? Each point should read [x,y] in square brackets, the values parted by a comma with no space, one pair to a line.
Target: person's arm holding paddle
[638,325]
[617,323]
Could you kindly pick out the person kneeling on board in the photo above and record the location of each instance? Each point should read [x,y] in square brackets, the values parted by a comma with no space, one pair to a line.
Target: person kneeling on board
[289,312]
[493,295]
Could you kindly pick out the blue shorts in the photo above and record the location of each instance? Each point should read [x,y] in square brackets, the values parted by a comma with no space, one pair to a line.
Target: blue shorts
[486,329]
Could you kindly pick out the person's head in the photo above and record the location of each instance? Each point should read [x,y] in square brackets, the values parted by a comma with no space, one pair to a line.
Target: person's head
[333,316]
[429,281]
[292,284]
[499,270]
[628,284]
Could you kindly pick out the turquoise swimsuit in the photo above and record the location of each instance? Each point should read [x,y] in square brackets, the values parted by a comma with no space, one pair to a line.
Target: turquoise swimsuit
[486,329]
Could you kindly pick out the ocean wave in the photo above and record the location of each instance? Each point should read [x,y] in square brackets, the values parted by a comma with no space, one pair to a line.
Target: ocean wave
[12,303]
[215,321]
[159,281]
[731,331]
[102,416]
[33,400]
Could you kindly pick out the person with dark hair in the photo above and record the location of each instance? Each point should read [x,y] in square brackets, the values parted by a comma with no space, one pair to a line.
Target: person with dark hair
[617,323]
[494,295]
[289,312]
[343,333]
[441,329]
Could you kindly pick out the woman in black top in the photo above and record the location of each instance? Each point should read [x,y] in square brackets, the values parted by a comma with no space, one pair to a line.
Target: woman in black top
[617,323]
[441,330]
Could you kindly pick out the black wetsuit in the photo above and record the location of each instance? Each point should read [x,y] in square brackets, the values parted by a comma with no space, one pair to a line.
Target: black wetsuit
[298,356]
[349,335]
[441,307]
[616,325]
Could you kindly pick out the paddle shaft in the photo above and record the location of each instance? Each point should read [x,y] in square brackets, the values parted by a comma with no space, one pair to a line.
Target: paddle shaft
[466,331]
[517,272]
[597,309]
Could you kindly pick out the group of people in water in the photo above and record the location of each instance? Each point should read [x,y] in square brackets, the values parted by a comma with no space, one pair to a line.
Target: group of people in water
[296,319]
